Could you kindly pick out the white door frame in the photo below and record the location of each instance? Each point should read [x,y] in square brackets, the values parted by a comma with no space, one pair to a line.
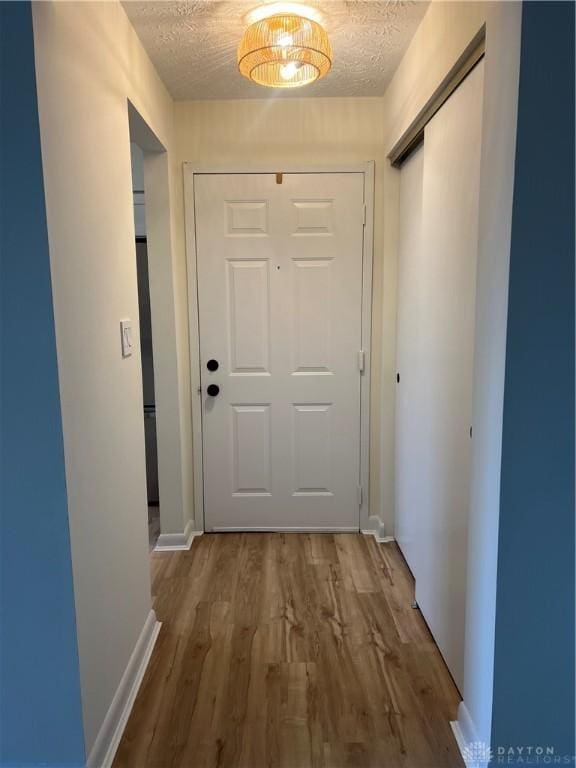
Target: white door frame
[190,171]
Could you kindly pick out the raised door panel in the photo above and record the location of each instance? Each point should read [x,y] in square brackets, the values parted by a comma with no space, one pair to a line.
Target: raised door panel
[313,217]
[251,450]
[312,449]
[246,218]
[248,317]
[313,316]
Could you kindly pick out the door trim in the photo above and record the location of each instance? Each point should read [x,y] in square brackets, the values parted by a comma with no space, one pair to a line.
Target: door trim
[190,171]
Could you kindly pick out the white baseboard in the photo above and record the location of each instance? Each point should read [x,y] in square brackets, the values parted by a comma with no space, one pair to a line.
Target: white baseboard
[375,528]
[104,748]
[284,529]
[475,753]
[174,542]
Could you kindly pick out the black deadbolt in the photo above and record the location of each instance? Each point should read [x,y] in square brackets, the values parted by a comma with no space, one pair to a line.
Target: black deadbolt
[213,389]
[212,365]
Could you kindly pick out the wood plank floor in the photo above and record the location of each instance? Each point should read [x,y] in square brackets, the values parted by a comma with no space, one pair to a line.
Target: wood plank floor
[290,650]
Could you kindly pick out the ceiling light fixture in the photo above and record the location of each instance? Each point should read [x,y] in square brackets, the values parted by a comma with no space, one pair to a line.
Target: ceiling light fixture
[284,47]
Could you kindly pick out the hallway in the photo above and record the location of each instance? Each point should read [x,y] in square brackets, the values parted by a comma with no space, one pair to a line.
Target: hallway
[290,650]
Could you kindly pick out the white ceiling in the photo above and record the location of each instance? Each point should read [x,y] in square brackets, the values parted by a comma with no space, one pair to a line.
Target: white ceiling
[193,45]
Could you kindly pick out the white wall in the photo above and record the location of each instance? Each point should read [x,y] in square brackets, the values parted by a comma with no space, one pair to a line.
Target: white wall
[305,132]
[89,61]
[167,278]
[442,36]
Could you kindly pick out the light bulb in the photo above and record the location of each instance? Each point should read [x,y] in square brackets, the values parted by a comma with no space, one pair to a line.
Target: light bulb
[285,40]
[287,71]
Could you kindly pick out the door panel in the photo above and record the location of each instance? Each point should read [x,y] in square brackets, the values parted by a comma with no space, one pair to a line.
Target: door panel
[450,196]
[251,449]
[313,316]
[312,460]
[312,217]
[249,316]
[247,218]
[280,293]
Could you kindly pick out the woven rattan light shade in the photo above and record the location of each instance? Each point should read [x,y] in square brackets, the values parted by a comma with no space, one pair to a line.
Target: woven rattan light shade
[284,51]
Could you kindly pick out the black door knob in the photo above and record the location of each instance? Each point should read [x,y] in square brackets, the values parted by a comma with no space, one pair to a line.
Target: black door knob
[212,365]
[213,389]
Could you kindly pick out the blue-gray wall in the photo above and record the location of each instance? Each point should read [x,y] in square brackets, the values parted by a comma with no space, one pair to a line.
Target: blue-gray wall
[40,707]
[534,654]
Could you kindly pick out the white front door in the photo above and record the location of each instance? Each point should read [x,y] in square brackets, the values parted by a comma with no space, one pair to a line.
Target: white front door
[280,299]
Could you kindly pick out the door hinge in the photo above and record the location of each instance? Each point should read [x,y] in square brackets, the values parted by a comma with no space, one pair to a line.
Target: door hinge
[364,214]
[361,360]
[359,495]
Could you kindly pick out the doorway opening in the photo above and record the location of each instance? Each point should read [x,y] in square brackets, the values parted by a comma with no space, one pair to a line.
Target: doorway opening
[170,408]
[146,350]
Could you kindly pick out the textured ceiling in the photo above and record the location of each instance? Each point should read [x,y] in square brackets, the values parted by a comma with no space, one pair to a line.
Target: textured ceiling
[193,45]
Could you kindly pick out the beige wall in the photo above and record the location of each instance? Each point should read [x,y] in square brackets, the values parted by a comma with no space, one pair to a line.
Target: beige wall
[166,265]
[442,36]
[302,132]
[89,61]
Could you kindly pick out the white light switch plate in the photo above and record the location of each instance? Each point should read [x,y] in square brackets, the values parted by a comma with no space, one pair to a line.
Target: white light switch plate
[126,336]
